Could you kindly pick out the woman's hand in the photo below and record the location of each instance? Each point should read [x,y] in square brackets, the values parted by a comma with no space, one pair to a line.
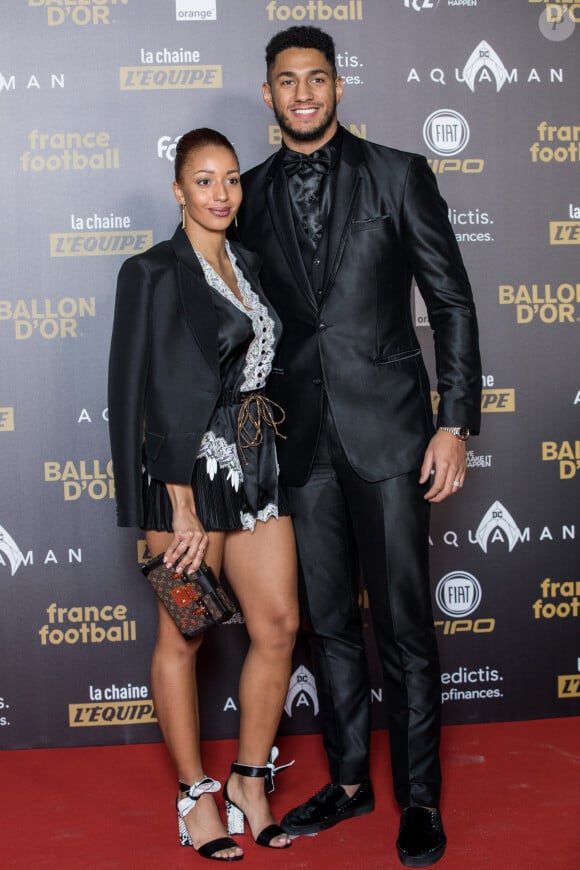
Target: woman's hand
[190,539]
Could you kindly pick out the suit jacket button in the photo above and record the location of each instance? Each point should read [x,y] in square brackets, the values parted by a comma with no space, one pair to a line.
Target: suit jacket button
[321,327]
[317,381]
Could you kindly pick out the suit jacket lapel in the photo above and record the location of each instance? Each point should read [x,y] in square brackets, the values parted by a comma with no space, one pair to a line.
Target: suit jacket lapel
[196,299]
[283,223]
[345,192]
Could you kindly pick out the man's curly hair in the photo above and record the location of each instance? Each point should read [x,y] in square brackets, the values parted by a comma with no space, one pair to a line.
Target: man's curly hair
[301,37]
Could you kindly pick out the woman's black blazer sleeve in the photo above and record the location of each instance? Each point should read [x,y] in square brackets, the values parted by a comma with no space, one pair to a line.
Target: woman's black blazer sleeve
[128,365]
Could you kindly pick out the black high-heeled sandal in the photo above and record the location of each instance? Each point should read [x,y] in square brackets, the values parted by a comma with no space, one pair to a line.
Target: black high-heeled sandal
[235,815]
[186,804]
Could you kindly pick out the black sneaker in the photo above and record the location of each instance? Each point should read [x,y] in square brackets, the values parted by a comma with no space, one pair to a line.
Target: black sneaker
[328,807]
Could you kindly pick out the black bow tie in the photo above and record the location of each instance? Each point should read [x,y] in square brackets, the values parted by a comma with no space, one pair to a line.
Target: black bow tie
[295,162]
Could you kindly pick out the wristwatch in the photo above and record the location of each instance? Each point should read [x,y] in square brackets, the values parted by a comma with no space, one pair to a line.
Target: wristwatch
[461,432]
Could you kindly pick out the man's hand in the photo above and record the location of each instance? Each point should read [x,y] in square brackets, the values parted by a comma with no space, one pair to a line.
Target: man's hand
[445,458]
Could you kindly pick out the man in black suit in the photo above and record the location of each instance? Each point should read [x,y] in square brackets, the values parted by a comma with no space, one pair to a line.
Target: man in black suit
[342,225]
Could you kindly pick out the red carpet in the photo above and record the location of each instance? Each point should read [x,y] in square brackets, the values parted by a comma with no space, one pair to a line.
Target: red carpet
[511,801]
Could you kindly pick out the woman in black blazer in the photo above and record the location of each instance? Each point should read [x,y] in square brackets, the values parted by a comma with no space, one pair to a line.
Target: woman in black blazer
[194,458]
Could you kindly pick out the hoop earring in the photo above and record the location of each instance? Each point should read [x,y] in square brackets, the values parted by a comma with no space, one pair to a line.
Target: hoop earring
[183,218]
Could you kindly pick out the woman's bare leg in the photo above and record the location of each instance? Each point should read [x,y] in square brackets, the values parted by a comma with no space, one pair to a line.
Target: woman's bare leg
[174,687]
[261,567]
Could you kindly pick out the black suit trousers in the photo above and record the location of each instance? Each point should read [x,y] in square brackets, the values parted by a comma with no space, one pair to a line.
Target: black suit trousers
[341,518]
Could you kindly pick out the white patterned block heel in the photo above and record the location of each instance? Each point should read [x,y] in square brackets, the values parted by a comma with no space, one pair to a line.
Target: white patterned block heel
[185,806]
[235,818]
[184,838]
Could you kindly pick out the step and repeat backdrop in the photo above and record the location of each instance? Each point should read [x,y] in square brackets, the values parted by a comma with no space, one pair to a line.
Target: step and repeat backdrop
[94,95]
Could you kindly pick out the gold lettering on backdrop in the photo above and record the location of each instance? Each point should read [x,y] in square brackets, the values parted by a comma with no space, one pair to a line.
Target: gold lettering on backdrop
[544,302]
[492,401]
[99,243]
[559,599]
[315,10]
[47,318]
[77,12]
[565,232]
[85,477]
[159,78]
[116,713]
[70,152]
[69,626]
[566,454]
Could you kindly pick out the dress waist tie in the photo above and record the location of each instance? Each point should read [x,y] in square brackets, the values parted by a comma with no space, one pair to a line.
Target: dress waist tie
[257,411]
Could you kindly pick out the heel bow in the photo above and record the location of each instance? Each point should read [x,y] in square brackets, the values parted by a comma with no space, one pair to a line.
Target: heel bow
[207,785]
[268,770]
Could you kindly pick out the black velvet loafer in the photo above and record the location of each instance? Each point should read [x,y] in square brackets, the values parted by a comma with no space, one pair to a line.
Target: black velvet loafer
[421,839]
[328,807]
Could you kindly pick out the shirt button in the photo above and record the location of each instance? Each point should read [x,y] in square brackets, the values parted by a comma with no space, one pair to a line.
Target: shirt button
[317,381]
[321,327]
